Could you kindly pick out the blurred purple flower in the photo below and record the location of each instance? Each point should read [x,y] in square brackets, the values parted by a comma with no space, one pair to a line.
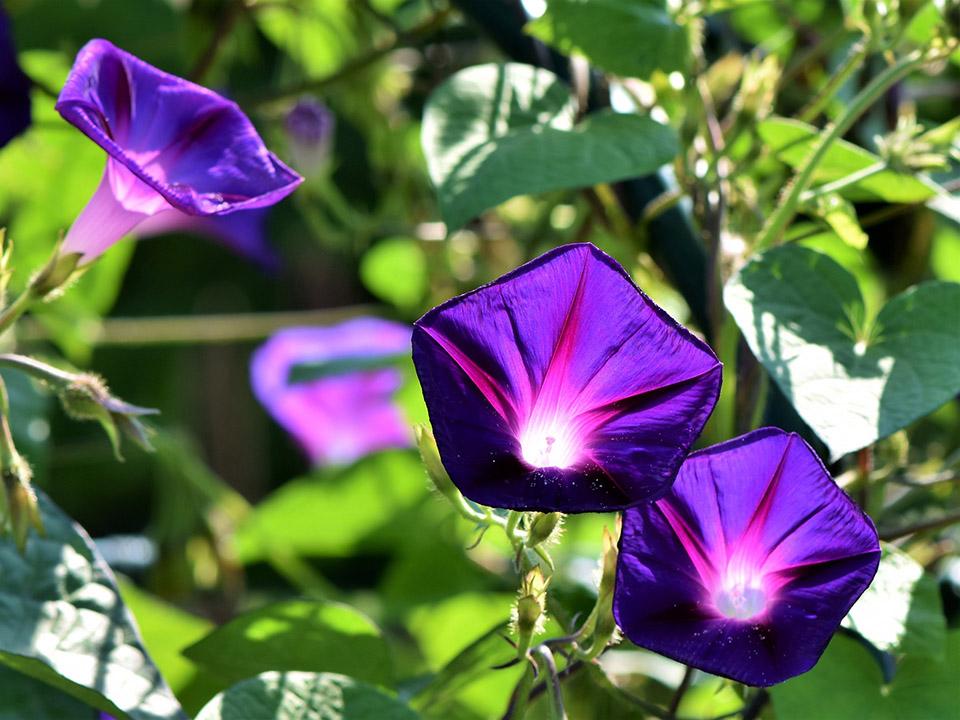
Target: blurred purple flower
[347,411]
[748,566]
[14,86]
[174,148]
[562,387]
[309,128]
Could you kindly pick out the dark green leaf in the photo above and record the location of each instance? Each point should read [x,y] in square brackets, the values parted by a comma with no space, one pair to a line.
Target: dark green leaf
[495,131]
[853,381]
[304,696]
[62,621]
[23,698]
[625,37]
[847,683]
[297,635]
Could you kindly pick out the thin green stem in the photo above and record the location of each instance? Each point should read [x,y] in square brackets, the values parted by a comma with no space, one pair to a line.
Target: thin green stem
[844,182]
[855,58]
[936,524]
[549,666]
[681,691]
[787,208]
[12,312]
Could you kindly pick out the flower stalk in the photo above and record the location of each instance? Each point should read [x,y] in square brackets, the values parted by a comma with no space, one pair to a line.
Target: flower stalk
[787,208]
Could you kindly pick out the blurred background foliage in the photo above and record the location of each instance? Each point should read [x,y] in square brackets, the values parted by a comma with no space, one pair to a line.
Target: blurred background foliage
[227,516]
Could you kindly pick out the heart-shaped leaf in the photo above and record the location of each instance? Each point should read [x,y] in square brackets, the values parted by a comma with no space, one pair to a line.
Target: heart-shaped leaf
[304,696]
[62,622]
[900,612]
[921,689]
[491,132]
[296,635]
[851,380]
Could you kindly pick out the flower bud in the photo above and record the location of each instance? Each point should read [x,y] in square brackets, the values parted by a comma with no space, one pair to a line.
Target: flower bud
[544,527]
[86,397]
[21,511]
[309,127]
[529,613]
[431,461]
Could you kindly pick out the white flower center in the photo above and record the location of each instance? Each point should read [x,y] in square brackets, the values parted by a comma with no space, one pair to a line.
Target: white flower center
[548,445]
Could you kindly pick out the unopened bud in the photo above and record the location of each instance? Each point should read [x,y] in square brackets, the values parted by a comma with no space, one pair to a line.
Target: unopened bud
[309,127]
[86,397]
[430,455]
[529,613]
[22,512]
[543,528]
[608,565]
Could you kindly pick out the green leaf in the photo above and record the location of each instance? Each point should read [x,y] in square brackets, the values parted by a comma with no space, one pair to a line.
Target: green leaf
[470,665]
[901,611]
[23,697]
[318,34]
[921,689]
[331,512]
[62,622]
[395,270]
[792,140]
[304,696]
[491,132]
[852,381]
[625,37]
[297,635]
[166,631]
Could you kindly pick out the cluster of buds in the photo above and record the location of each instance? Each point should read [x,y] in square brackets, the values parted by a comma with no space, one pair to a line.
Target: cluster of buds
[529,614]
[18,502]
[910,147]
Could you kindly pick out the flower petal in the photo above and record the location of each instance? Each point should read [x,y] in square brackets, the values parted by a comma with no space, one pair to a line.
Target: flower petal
[585,395]
[192,146]
[14,87]
[770,555]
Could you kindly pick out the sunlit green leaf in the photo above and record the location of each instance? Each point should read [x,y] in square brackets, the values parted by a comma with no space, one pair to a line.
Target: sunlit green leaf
[852,380]
[791,141]
[395,270]
[304,696]
[626,37]
[297,635]
[495,131]
[63,622]
[330,512]
[166,631]
[901,611]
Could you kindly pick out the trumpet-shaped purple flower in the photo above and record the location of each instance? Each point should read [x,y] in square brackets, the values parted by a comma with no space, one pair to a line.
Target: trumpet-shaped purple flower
[347,409]
[748,566]
[14,87]
[562,387]
[242,232]
[174,148]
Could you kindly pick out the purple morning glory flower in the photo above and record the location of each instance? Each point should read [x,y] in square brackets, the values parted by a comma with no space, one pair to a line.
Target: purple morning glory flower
[309,126]
[748,566]
[14,87]
[174,148]
[562,387]
[243,232]
[347,411]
